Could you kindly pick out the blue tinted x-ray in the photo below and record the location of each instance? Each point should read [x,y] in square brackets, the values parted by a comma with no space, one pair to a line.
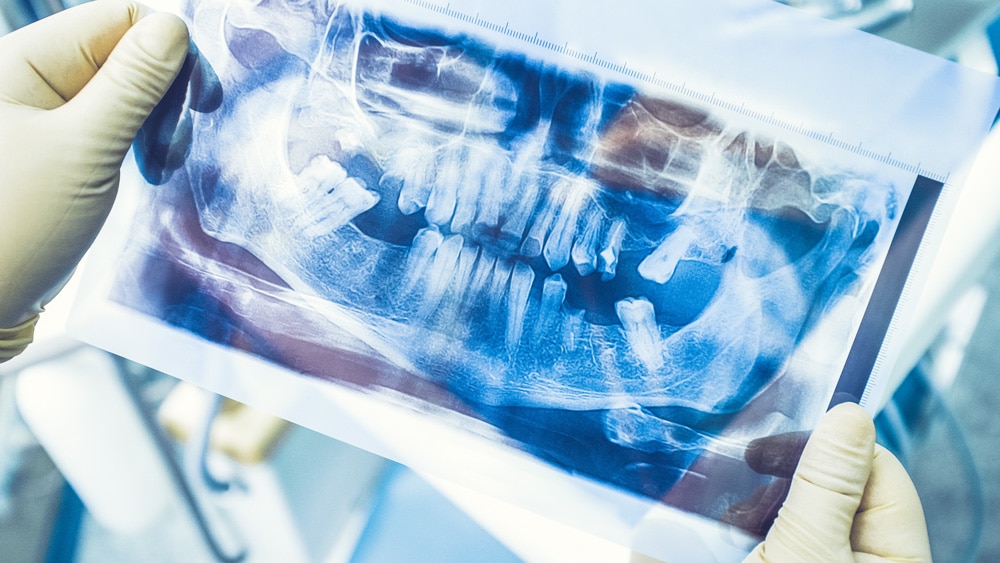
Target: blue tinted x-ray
[607,274]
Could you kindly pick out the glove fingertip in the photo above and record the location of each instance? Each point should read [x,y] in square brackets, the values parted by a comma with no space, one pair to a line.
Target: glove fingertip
[850,422]
[838,455]
[163,37]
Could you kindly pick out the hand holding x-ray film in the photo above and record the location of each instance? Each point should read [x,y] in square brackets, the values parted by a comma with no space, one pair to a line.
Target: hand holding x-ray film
[850,498]
[67,127]
[575,258]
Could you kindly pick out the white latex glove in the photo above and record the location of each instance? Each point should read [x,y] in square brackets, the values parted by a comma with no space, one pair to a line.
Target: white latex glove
[850,500]
[76,87]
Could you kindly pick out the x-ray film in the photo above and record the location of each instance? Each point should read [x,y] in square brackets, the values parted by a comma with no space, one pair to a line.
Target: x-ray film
[577,255]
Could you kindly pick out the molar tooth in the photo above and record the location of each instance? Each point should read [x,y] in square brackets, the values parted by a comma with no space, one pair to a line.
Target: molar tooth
[319,176]
[584,251]
[334,209]
[638,320]
[517,302]
[441,272]
[534,242]
[560,241]
[419,257]
[607,262]
[659,266]
[345,202]
[413,169]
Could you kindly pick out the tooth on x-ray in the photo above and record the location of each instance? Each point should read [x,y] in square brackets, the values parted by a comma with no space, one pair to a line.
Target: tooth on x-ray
[418,259]
[641,331]
[498,293]
[560,240]
[569,242]
[520,289]
[445,190]
[584,250]
[481,276]
[334,198]
[552,207]
[440,271]
[607,262]
[415,172]
[487,189]
[660,265]
[550,304]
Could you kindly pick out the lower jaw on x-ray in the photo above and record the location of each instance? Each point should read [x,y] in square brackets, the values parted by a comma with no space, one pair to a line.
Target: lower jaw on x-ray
[607,275]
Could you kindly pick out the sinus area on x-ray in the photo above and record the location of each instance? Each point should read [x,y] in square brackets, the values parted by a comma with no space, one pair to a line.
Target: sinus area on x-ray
[615,278]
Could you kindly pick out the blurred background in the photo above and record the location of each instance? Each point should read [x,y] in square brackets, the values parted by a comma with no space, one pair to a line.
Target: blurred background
[208,480]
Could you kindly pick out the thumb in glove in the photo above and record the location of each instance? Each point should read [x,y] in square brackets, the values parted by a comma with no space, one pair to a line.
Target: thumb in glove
[850,500]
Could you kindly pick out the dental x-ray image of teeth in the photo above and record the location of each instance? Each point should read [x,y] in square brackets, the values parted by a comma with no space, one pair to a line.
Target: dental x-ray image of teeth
[625,283]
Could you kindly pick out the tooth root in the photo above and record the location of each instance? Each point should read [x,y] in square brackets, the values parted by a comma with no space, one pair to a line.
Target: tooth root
[660,265]
[425,243]
[481,273]
[560,241]
[463,272]
[534,242]
[550,306]
[607,259]
[573,327]
[497,292]
[517,302]
[522,206]
[584,251]
[641,331]
[335,209]
[444,193]
[441,272]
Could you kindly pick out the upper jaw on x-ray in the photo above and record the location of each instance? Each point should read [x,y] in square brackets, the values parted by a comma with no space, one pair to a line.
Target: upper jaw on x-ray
[522,234]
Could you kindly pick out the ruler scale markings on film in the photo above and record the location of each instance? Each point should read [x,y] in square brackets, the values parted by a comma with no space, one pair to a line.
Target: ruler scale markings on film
[623,69]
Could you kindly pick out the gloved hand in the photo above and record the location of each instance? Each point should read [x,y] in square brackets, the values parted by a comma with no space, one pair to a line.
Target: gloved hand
[850,500]
[76,87]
